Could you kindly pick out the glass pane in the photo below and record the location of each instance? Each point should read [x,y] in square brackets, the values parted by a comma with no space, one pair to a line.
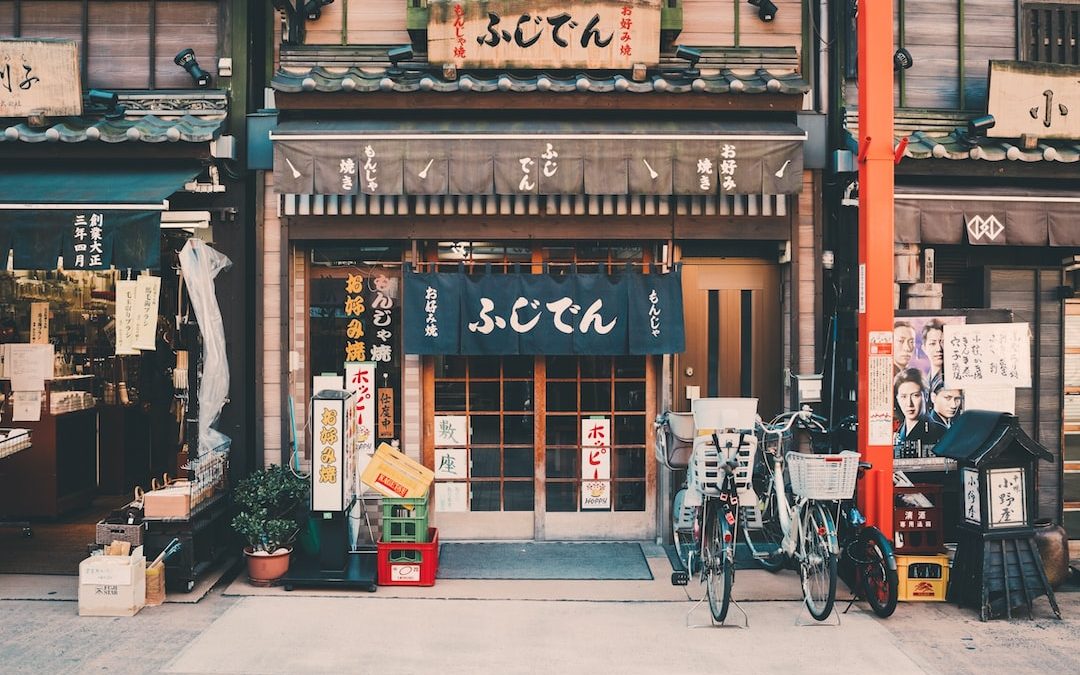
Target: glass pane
[484,366]
[629,430]
[562,429]
[629,496]
[450,396]
[517,396]
[450,366]
[629,366]
[562,462]
[518,463]
[595,396]
[518,366]
[630,396]
[562,396]
[484,396]
[562,497]
[485,429]
[596,366]
[519,495]
[485,463]
[629,462]
[485,497]
[518,430]
[561,367]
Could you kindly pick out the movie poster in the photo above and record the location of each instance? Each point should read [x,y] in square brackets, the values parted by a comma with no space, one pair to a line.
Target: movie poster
[923,406]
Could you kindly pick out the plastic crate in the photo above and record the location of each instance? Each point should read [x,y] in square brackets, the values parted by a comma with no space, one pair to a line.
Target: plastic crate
[918,529]
[404,564]
[823,476]
[923,578]
[405,519]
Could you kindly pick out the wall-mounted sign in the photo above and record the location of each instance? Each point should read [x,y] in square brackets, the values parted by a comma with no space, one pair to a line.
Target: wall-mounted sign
[39,323]
[596,449]
[39,76]
[544,33]
[451,430]
[987,355]
[1036,99]
[451,463]
[596,495]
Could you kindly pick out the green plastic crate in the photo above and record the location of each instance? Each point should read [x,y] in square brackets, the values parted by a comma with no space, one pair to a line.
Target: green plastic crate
[405,519]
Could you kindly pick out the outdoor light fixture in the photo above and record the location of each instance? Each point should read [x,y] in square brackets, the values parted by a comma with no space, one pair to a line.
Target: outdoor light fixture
[106,102]
[902,60]
[186,60]
[313,8]
[766,9]
[976,127]
[690,55]
[396,56]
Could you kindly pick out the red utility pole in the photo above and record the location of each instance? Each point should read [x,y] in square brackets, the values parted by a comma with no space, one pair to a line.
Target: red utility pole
[875,369]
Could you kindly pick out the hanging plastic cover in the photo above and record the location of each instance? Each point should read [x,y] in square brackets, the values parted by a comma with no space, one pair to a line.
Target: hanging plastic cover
[200,264]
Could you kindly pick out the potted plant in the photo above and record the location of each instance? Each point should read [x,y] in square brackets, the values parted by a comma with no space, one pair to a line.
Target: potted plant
[272,502]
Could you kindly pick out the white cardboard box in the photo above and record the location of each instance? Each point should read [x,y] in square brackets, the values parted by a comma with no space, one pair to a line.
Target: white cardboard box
[112,585]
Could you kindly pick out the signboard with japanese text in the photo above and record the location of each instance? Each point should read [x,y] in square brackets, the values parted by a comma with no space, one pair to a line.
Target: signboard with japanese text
[451,430]
[332,443]
[504,314]
[451,463]
[972,512]
[39,76]
[595,34]
[360,380]
[1034,99]
[39,323]
[126,316]
[147,293]
[596,449]
[987,355]
[1007,497]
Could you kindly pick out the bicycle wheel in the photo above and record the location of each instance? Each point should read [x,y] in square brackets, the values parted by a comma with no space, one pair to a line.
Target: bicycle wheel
[877,581]
[764,541]
[719,564]
[818,564]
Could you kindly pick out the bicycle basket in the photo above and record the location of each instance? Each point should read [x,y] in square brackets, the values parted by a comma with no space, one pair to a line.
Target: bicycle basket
[823,476]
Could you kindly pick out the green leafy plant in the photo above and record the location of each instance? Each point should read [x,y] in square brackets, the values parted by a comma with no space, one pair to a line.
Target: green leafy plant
[272,503]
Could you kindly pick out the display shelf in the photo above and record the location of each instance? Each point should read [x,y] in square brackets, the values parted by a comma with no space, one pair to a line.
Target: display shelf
[916,464]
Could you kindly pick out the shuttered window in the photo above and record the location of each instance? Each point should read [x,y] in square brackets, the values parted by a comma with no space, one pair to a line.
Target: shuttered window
[1050,32]
[124,44]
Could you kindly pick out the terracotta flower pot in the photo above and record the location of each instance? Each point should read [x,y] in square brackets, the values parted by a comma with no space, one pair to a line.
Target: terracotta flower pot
[264,570]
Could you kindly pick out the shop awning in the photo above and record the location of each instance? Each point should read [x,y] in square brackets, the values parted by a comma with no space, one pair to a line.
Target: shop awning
[537,158]
[984,216]
[94,217]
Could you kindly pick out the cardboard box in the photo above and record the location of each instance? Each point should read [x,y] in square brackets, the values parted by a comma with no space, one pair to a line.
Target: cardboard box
[392,474]
[112,585]
[170,502]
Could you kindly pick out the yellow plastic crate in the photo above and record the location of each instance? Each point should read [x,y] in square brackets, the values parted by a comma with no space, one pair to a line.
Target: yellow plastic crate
[923,578]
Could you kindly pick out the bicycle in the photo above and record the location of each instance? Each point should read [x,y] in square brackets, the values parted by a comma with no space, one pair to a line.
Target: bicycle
[803,531]
[673,444]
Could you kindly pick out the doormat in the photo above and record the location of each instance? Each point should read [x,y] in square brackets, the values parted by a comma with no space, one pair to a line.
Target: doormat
[543,560]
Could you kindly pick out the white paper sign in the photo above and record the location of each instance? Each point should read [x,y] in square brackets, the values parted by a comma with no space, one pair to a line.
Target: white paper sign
[451,463]
[596,449]
[451,430]
[971,495]
[126,326]
[596,494]
[987,355]
[880,369]
[147,293]
[28,366]
[39,323]
[26,406]
[998,399]
[360,380]
[451,497]
[1006,495]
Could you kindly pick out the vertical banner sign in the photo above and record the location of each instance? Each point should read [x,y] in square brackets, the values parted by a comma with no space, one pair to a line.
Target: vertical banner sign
[596,463]
[880,371]
[972,512]
[385,411]
[328,417]
[147,292]
[384,308]
[360,381]
[126,300]
[39,323]
[355,308]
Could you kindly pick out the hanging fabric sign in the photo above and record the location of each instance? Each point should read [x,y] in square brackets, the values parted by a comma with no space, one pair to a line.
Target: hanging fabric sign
[514,313]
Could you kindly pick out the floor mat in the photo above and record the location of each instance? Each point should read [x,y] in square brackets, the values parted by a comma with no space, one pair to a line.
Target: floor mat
[55,547]
[543,560]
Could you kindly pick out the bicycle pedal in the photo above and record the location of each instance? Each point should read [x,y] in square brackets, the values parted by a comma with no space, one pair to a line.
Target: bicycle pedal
[680,578]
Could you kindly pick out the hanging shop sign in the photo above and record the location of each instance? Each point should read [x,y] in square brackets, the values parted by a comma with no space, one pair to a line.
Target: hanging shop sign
[514,313]
[360,380]
[86,240]
[1034,99]
[39,323]
[544,33]
[39,76]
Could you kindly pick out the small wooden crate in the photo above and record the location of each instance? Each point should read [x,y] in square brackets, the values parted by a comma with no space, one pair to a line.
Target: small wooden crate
[918,529]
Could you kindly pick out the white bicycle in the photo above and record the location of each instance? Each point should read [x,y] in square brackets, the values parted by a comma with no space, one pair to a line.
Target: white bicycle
[803,528]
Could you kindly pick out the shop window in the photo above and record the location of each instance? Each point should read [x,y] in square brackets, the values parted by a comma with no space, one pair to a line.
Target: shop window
[1050,32]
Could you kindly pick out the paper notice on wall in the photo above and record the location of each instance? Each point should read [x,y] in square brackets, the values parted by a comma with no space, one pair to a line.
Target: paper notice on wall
[451,463]
[126,325]
[987,355]
[28,366]
[451,497]
[39,323]
[451,430]
[596,494]
[880,376]
[147,292]
[26,406]
[998,399]
[596,448]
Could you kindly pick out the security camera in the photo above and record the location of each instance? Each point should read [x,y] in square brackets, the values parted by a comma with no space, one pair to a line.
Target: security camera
[902,59]
[313,8]
[396,56]
[766,9]
[186,60]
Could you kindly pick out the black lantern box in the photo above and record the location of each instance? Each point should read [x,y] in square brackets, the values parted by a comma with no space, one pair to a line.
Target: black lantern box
[997,565]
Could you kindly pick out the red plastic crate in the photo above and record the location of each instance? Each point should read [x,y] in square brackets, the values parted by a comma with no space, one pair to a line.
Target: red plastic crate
[407,564]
